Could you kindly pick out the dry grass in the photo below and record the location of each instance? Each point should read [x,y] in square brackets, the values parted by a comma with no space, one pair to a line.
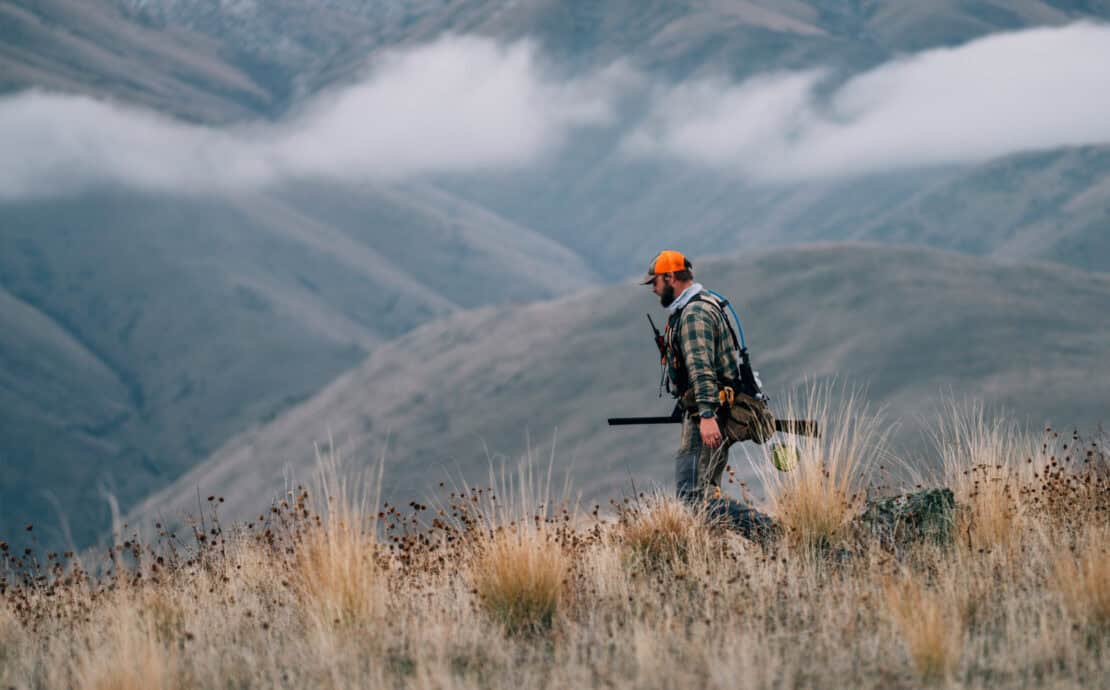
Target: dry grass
[1082,578]
[519,575]
[817,500]
[9,636]
[494,592]
[928,623]
[335,571]
[986,464]
[336,575]
[661,531]
[127,655]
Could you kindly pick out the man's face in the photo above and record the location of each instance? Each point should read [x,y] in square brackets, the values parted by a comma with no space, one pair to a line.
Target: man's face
[664,288]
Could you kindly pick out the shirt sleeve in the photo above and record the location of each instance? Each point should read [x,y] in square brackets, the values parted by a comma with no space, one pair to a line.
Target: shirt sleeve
[697,337]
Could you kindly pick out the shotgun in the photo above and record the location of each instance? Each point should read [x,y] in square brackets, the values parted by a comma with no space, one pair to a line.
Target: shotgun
[798,427]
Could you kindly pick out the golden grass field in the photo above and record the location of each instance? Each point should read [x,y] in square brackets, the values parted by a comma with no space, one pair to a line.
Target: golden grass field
[504,588]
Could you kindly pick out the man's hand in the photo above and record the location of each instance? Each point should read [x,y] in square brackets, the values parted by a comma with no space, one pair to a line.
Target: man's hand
[710,432]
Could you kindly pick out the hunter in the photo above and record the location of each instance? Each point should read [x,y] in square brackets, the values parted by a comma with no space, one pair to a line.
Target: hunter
[702,362]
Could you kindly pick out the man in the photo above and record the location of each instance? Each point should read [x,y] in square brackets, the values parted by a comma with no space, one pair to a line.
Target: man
[701,359]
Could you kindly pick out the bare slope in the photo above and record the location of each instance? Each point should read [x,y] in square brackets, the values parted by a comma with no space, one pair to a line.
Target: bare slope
[317,40]
[292,48]
[1047,205]
[140,333]
[90,46]
[909,323]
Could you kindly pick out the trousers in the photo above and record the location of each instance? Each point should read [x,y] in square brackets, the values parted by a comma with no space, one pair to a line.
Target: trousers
[698,469]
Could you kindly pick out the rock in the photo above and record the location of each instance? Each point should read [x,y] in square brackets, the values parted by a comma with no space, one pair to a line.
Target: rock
[898,520]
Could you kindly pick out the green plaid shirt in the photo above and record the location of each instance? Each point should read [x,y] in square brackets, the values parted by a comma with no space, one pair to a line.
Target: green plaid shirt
[701,335]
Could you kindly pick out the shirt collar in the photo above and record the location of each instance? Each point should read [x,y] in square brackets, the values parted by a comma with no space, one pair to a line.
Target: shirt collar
[685,297]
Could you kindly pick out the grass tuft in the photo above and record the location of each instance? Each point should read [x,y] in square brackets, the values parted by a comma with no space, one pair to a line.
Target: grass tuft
[928,624]
[817,500]
[519,575]
[1082,578]
[9,637]
[335,568]
[660,531]
[986,464]
[126,655]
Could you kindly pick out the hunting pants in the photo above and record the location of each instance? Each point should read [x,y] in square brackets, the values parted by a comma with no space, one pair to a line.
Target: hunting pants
[698,469]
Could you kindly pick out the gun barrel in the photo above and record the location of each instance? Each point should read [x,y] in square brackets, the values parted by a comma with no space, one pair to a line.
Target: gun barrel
[628,421]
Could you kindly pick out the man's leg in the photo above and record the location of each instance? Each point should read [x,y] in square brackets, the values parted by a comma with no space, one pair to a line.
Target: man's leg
[686,463]
[748,521]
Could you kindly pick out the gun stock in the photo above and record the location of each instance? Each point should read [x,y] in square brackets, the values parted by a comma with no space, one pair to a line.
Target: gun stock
[798,427]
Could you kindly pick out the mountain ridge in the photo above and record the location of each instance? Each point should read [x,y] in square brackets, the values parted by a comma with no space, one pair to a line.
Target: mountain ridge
[485,386]
[177,320]
[196,303]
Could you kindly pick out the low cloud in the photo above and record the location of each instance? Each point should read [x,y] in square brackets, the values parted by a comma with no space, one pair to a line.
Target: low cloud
[999,95]
[458,104]
[466,104]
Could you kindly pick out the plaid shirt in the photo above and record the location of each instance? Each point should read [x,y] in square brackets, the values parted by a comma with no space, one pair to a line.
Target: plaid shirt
[700,335]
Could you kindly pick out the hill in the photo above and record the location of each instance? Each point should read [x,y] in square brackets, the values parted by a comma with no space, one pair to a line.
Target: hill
[145,330]
[1044,206]
[141,332]
[1053,206]
[94,47]
[912,325]
[315,43]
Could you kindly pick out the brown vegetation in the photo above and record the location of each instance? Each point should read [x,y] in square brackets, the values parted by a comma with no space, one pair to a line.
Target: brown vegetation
[322,591]
[816,501]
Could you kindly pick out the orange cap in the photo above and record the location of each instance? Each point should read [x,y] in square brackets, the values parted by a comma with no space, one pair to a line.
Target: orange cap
[666,261]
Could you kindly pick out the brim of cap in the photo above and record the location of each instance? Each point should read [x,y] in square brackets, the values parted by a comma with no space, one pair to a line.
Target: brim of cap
[649,278]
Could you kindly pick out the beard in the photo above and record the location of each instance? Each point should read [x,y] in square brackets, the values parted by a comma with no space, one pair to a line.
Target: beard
[667,298]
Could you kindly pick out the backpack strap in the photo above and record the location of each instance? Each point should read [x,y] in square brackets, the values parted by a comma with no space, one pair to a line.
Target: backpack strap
[748,380]
[721,303]
[674,353]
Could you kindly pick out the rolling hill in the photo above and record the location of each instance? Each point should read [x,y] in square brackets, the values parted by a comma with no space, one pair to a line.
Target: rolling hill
[141,332]
[1053,206]
[94,47]
[912,326]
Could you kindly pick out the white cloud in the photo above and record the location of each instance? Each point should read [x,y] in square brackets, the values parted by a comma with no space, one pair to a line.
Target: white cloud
[466,104]
[1002,94]
[59,144]
[460,104]
[457,104]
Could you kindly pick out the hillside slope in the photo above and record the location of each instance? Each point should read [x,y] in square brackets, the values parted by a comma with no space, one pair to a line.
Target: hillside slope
[92,47]
[1053,206]
[141,332]
[910,325]
[146,331]
[310,44]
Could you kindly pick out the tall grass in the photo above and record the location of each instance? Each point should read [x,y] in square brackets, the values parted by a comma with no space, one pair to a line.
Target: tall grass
[516,547]
[987,463]
[662,532]
[127,654]
[519,575]
[10,632]
[817,500]
[496,588]
[336,569]
[1082,577]
[928,623]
